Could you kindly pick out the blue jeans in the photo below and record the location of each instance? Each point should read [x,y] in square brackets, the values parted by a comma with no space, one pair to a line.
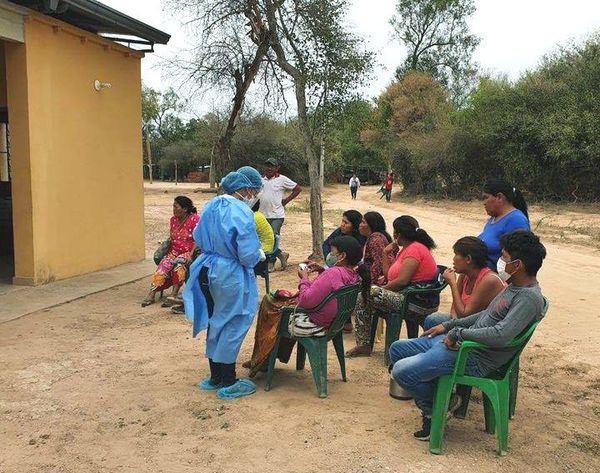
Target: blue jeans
[276,224]
[435,319]
[418,362]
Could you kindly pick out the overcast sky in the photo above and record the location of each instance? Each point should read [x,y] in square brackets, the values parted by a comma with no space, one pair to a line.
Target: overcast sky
[515,34]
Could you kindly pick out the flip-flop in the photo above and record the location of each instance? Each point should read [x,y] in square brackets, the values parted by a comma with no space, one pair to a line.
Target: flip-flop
[147,302]
[207,385]
[241,388]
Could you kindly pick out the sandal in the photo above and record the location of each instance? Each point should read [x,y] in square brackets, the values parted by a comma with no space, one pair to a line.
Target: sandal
[358,352]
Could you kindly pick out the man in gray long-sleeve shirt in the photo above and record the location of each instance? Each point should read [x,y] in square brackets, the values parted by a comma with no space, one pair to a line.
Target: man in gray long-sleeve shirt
[417,363]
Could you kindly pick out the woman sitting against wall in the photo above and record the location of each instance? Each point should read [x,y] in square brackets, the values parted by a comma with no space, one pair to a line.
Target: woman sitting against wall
[173,267]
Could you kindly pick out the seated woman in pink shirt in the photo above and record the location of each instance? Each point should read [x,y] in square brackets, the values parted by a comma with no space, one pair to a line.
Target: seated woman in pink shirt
[476,284]
[344,256]
[413,266]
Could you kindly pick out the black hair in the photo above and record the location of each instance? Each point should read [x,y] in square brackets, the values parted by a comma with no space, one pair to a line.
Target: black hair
[408,228]
[354,253]
[256,206]
[473,247]
[376,223]
[354,217]
[186,204]
[525,246]
[512,194]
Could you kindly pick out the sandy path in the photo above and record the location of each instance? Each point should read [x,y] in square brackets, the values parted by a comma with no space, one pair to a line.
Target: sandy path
[103,385]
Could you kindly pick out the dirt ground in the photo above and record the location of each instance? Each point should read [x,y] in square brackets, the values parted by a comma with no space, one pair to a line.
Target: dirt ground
[102,385]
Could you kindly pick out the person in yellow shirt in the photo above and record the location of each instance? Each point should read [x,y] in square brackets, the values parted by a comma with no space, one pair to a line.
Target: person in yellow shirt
[264,230]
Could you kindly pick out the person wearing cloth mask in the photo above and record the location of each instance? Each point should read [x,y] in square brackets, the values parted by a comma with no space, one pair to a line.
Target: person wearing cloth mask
[417,363]
[272,202]
[221,295]
[508,212]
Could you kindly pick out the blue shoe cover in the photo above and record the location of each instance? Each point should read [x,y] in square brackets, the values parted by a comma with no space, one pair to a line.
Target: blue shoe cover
[206,385]
[241,388]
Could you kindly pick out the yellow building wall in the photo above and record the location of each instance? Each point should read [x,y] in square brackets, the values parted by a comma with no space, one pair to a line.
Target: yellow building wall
[81,150]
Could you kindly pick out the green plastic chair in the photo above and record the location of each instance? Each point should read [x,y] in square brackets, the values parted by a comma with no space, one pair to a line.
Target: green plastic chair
[270,258]
[316,347]
[496,390]
[393,321]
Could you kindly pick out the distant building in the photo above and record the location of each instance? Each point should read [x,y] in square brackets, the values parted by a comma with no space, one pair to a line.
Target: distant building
[70,138]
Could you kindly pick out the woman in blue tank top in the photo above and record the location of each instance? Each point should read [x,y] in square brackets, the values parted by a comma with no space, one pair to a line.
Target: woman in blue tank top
[508,212]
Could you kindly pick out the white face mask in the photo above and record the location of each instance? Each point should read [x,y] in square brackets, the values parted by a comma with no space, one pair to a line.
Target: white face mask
[249,201]
[501,268]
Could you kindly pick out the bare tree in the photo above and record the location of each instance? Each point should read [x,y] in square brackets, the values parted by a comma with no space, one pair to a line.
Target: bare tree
[232,47]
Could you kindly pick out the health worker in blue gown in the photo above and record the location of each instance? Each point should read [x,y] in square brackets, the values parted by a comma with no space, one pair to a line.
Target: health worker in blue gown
[221,295]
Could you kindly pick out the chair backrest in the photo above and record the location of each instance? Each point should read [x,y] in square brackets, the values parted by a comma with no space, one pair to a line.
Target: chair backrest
[521,341]
[346,302]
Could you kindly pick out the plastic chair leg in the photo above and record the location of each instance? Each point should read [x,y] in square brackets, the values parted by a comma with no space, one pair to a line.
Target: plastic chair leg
[514,388]
[392,333]
[300,357]
[412,328]
[317,356]
[465,394]
[338,343]
[374,322]
[271,368]
[443,391]
[502,418]
[489,415]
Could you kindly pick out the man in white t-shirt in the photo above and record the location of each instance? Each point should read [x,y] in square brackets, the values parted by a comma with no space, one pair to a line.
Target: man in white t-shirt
[272,201]
[354,184]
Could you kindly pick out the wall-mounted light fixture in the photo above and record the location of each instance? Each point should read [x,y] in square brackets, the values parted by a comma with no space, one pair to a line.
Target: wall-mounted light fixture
[101,85]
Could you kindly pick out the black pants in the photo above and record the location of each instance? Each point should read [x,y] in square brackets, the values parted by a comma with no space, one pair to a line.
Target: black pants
[353,191]
[388,195]
[220,373]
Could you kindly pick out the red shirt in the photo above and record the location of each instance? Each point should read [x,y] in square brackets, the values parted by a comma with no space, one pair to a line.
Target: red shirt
[427,269]
[388,183]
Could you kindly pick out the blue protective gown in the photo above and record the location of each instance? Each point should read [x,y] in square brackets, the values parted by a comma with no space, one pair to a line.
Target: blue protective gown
[230,249]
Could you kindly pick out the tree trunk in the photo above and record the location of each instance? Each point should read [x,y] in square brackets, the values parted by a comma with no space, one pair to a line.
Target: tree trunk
[149,153]
[211,171]
[316,203]
[322,161]
[243,81]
